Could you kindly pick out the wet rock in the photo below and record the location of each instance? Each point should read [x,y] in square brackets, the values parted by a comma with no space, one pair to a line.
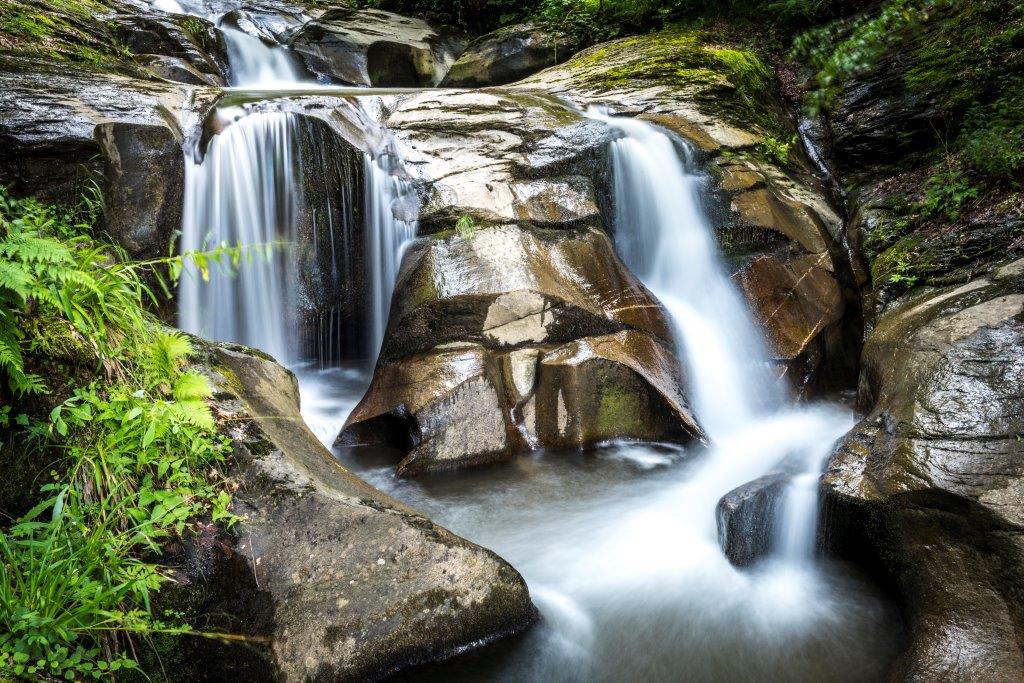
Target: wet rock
[340,581]
[375,48]
[800,306]
[507,55]
[193,43]
[504,287]
[929,482]
[143,188]
[48,118]
[501,156]
[462,404]
[746,519]
[599,389]
[503,340]
[178,70]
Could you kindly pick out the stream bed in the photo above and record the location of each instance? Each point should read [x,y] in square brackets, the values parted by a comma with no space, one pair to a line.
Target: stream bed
[620,552]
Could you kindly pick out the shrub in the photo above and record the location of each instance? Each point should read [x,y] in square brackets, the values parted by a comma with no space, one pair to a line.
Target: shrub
[140,450]
[947,193]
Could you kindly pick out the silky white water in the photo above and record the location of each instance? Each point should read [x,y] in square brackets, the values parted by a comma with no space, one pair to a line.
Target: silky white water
[243,194]
[390,225]
[663,235]
[254,64]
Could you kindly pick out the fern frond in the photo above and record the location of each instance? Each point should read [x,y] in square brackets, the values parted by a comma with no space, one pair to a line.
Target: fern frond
[16,278]
[191,386]
[195,413]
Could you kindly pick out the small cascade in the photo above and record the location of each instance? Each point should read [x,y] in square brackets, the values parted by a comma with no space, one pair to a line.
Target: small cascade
[391,206]
[256,65]
[252,62]
[662,233]
[243,193]
[664,237]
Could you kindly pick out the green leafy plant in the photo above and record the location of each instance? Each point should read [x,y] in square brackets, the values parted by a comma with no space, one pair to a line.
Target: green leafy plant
[947,193]
[465,226]
[67,590]
[775,150]
[197,30]
[138,450]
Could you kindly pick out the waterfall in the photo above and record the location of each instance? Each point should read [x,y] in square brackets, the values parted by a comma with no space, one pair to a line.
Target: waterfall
[390,225]
[254,64]
[243,193]
[663,235]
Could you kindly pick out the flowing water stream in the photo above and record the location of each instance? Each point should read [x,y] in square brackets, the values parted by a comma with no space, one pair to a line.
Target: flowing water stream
[619,547]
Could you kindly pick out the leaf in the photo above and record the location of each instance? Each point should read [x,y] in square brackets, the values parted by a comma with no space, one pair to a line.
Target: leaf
[58,506]
[150,434]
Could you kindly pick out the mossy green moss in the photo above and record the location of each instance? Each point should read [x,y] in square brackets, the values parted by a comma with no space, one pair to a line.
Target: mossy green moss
[730,81]
[620,411]
[65,30]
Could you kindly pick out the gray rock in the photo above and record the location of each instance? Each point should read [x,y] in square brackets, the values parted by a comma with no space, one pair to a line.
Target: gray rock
[374,48]
[746,519]
[143,188]
[49,113]
[341,581]
[178,70]
[506,55]
[192,40]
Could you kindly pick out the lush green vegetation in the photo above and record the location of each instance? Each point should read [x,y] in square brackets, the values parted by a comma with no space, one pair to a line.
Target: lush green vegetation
[965,61]
[591,21]
[133,451]
[69,30]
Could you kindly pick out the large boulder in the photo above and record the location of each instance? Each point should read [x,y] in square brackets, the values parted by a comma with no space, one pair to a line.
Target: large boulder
[49,113]
[505,286]
[375,48]
[462,404]
[506,339]
[506,55]
[927,487]
[143,186]
[329,578]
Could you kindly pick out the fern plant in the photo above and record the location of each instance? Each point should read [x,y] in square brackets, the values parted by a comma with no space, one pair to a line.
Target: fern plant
[139,447]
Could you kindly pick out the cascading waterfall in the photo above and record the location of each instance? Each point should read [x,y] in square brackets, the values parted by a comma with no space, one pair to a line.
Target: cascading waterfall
[242,193]
[254,64]
[663,235]
[387,234]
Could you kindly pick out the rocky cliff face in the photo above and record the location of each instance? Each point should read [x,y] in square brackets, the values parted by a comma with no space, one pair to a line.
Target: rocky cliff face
[530,174]
[926,488]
